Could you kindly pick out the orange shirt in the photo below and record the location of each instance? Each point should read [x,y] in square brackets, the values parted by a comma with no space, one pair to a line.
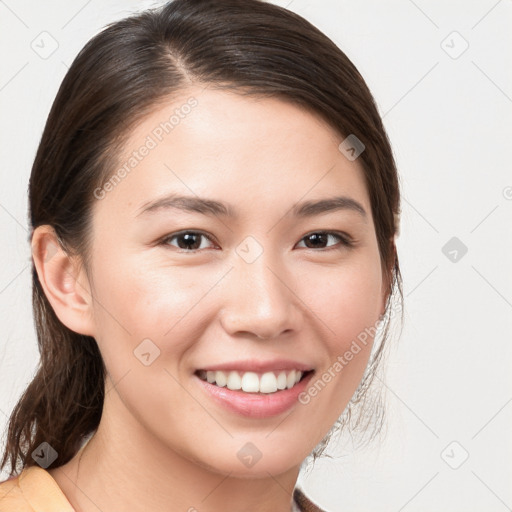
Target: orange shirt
[35,490]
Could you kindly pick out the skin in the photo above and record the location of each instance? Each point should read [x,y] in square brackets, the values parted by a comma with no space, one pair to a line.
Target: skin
[162,443]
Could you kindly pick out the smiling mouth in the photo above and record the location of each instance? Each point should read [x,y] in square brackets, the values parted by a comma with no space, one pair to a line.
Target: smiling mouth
[252,382]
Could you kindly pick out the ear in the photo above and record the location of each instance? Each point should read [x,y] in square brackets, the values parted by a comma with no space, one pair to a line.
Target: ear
[63,280]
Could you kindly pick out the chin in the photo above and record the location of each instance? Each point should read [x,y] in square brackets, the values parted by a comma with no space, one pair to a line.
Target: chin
[247,461]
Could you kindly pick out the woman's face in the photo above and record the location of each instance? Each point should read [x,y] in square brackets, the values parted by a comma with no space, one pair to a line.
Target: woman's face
[256,281]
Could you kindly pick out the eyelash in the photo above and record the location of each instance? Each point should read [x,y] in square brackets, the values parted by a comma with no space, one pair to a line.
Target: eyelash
[346,241]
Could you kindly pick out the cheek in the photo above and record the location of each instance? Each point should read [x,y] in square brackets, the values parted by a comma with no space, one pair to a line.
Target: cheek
[344,300]
[139,300]
[146,321]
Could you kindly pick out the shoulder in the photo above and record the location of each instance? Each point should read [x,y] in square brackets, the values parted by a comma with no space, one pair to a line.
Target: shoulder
[11,496]
[32,491]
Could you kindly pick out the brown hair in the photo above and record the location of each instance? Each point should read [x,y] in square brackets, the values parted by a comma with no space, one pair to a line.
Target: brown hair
[247,46]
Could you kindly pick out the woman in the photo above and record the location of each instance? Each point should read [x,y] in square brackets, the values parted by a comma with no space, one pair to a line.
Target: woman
[213,208]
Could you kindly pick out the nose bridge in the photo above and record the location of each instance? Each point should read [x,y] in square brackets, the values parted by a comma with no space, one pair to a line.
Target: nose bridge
[260,299]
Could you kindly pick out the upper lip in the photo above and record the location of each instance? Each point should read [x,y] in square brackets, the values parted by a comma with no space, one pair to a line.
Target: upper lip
[252,365]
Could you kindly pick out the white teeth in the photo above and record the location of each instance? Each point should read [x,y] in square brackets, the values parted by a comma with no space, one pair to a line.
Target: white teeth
[281,381]
[234,381]
[251,382]
[268,383]
[290,379]
[220,379]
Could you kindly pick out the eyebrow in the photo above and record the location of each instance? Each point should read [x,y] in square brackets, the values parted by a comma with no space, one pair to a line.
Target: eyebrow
[206,206]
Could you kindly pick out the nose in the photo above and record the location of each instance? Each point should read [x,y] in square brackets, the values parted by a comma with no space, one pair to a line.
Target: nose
[260,300]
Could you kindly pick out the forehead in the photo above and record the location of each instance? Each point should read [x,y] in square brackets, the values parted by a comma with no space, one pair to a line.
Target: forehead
[250,151]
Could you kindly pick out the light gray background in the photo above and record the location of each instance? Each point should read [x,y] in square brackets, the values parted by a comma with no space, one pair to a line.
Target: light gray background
[448,115]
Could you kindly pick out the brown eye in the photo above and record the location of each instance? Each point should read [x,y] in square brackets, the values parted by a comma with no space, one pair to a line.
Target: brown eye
[188,241]
[318,239]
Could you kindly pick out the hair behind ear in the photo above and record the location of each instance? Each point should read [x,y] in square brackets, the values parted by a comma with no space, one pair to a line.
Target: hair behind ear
[63,403]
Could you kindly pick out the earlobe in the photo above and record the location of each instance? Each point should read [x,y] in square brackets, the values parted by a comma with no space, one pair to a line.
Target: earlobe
[63,281]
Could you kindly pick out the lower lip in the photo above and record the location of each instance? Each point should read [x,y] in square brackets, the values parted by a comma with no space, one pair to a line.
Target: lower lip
[256,405]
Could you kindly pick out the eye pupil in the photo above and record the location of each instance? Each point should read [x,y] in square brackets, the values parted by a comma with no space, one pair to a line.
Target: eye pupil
[317,238]
[189,238]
